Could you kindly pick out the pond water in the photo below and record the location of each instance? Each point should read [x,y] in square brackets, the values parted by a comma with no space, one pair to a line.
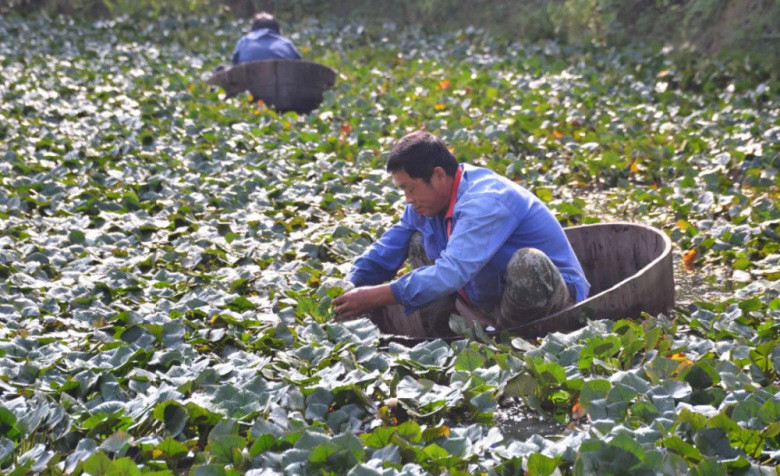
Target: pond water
[519,423]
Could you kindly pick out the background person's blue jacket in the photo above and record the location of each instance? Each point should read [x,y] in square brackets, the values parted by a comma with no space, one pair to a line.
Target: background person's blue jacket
[493,217]
[263,44]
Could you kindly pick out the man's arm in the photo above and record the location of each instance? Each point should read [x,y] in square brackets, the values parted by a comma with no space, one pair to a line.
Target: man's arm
[381,261]
[361,300]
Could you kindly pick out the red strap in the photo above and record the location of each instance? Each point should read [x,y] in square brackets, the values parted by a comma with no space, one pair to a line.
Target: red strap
[453,198]
[448,217]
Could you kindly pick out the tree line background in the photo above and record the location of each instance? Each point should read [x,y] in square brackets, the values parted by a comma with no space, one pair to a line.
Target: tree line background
[741,37]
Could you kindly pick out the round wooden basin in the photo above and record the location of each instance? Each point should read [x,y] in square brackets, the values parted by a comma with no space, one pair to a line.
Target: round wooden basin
[285,85]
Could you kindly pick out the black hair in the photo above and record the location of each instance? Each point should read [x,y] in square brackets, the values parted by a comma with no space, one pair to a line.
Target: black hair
[418,154]
[265,20]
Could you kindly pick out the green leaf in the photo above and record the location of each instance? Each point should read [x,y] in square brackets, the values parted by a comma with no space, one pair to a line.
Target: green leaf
[172,448]
[240,304]
[209,470]
[469,360]
[77,237]
[8,424]
[99,465]
[410,431]
[541,465]
[592,390]
[125,467]
[521,385]
[173,415]
[434,452]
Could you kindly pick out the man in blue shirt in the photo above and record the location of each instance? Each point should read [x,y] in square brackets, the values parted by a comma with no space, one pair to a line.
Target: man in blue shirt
[263,42]
[480,244]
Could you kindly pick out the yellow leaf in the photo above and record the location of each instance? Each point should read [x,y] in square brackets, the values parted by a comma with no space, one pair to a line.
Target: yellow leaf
[439,106]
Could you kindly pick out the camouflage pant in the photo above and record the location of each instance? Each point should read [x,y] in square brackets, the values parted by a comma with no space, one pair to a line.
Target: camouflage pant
[534,288]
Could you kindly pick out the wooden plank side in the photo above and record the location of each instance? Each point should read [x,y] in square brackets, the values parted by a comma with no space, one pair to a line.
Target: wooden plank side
[285,85]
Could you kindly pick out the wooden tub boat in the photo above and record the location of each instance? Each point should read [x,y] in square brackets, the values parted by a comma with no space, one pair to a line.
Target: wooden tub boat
[285,85]
[630,270]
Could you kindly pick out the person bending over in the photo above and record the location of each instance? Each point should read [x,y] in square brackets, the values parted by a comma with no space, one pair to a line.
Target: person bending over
[479,244]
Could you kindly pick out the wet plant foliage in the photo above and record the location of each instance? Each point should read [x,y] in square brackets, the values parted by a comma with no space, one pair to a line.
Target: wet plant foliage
[168,258]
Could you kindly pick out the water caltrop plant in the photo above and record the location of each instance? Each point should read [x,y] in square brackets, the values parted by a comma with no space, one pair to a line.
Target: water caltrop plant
[168,258]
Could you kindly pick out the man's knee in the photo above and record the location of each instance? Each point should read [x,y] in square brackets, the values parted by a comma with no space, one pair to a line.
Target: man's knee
[531,278]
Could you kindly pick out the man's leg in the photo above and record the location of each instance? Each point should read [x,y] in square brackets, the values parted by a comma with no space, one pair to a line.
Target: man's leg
[435,317]
[534,289]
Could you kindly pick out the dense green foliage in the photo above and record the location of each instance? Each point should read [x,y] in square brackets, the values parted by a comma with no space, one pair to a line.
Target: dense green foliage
[739,36]
[168,258]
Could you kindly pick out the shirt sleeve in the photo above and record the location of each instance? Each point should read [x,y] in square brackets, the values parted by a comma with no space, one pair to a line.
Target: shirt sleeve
[480,227]
[295,53]
[381,261]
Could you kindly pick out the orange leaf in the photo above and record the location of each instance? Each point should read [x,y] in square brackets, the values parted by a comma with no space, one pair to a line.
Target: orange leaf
[557,134]
[689,258]
[577,412]
[684,362]
[444,84]
[346,128]
[663,73]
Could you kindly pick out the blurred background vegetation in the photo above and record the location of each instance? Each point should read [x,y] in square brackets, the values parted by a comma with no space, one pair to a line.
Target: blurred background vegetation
[734,37]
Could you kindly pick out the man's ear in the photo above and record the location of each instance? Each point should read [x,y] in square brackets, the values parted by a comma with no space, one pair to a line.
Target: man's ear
[439,173]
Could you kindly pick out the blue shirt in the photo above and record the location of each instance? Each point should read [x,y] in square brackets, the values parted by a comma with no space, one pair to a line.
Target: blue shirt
[493,217]
[263,44]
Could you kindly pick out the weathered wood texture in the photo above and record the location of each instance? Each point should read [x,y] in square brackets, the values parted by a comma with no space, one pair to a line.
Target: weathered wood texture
[630,270]
[285,85]
[629,267]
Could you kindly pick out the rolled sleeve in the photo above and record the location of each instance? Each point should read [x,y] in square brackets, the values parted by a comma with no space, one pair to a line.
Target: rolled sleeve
[382,260]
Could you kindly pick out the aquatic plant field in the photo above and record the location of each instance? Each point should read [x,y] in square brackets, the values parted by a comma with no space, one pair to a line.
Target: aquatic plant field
[168,259]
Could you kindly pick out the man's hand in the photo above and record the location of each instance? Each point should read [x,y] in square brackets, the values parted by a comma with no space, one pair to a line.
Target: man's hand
[359,301]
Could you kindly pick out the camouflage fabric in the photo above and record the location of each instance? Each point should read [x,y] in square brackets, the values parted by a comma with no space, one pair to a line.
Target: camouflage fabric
[534,288]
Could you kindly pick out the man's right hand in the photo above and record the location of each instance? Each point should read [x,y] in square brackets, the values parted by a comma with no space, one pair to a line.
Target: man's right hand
[359,301]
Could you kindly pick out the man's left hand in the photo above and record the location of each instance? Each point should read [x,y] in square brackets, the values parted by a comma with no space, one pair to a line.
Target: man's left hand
[359,301]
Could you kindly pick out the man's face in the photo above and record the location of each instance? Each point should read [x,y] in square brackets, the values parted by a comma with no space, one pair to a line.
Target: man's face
[428,198]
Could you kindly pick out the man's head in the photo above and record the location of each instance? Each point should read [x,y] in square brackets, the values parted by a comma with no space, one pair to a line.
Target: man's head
[424,169]
[265,20]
